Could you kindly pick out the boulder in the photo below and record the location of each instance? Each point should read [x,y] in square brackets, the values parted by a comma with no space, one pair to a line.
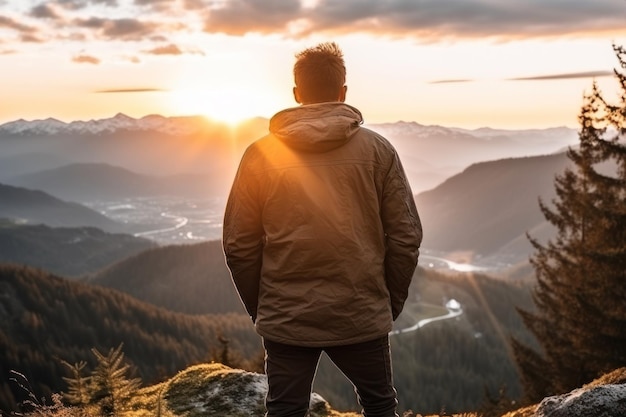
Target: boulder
[597,401]
[214,390]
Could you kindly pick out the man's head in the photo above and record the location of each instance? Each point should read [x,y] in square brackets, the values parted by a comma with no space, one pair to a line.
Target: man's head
[320,74]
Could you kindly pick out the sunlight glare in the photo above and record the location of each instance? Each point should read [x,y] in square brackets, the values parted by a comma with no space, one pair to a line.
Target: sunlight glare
[222,105]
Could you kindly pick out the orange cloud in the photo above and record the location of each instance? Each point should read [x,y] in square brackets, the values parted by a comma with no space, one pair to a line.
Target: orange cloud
[10,23]
[170,49]
[86,59]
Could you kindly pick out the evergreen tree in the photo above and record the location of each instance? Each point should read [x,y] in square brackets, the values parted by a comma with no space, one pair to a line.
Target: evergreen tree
[580,295]
[111,388]
[77,385]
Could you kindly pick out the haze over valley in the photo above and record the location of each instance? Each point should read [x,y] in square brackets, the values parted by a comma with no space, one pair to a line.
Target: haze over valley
[166,179]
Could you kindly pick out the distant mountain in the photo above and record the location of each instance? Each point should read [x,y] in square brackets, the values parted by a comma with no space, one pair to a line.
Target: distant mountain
[70,252]
[431,154]
[51,126]
[86,182]
[193,156]
[44,318]
[190,279]
[153,145]
[37,207]
[486,210]
[24,163]
[163,146]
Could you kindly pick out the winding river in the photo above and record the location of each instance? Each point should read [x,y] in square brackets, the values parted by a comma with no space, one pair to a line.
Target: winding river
[454,310]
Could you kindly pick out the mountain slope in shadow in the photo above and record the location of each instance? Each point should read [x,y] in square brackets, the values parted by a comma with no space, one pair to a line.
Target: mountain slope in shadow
[37,207]
[487,209]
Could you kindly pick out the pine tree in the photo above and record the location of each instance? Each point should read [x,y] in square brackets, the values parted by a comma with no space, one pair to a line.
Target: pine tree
[111,388]
[77,385]
[580,295]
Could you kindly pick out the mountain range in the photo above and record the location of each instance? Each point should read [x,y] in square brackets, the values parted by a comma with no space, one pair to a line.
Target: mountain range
[477,190]
[481,214]
[51,126]
[160,145]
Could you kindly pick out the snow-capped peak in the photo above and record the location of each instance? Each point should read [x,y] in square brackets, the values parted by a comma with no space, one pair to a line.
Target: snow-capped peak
[50,126]
[46,126]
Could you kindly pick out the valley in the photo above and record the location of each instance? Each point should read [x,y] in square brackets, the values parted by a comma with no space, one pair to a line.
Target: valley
[167,219]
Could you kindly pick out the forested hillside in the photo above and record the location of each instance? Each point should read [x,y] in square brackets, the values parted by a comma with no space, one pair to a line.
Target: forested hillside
[67,251]
[45,318]
[185,278]
[449,364]
[445,364]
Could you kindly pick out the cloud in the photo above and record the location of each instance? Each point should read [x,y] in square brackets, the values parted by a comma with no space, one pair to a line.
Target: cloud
[427,19]
[127,28]
[173,49]
[122,29]
[30,38]
[472,18]
[238,17]
[450,81]
[81,4]
[7,22]
[133,59]
[170,49]
[155,4]
[130,90]
[85,59]
[566,76]
[547,77]
[44,11]
[424,20]
[194,4]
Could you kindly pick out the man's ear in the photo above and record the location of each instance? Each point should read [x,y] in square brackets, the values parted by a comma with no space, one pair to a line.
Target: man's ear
[342,94]
[296,95]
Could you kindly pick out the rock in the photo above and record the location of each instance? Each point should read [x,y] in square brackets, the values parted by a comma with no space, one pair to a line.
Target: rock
[592,401]
[209,390]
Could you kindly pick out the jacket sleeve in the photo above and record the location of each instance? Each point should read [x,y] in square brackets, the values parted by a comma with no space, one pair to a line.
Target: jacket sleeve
[403,235]
[243,236]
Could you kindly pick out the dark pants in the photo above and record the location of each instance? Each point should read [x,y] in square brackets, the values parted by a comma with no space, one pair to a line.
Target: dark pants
[290,371]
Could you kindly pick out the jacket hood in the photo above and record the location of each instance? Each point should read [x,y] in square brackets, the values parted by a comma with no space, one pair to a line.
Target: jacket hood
[316,127]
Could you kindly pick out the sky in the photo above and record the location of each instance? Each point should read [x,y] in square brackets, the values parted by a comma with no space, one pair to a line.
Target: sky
[512,64]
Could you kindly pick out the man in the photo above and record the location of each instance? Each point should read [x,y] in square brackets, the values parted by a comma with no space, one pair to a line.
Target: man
[322,236]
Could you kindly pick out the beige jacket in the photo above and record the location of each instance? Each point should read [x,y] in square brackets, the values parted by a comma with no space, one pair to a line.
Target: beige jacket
[321,233]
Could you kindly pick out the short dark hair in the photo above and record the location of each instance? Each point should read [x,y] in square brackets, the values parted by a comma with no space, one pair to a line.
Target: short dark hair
[320,73]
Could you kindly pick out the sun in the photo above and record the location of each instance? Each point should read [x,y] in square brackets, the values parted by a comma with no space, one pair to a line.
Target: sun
[227,105]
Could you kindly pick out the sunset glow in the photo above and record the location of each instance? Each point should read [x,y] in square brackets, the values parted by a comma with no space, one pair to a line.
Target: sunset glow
[483,64]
